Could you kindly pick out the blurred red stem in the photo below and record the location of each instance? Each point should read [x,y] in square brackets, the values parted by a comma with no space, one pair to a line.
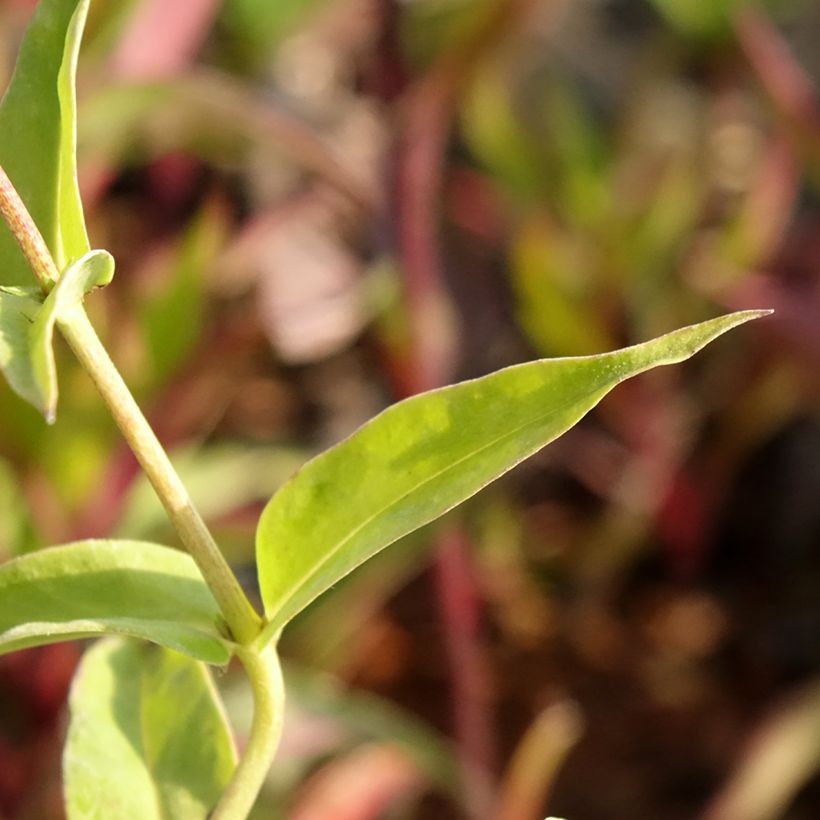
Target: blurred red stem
[428,112]
[427,118]
[785,81]
[460,607]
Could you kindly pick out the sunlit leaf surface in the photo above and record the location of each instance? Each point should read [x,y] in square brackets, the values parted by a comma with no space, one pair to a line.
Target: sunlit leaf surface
[421,457]
[121,587]
[147,737]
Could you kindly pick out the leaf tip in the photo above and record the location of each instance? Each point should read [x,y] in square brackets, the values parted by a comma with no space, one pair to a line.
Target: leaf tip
[740,317]
[47,406]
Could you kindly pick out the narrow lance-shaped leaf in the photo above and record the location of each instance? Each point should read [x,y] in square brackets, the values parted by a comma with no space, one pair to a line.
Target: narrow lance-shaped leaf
[148,737]
[27,328]
[421,457]
[129,588]
[38,136]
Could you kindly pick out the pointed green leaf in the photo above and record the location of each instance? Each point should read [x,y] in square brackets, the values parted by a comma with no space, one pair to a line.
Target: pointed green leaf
[147,738]
[38,136]
[118,587]
[421,457]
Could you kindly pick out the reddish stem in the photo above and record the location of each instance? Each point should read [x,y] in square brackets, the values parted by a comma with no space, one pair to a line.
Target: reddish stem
[784,79]
[427,117]
[459,602]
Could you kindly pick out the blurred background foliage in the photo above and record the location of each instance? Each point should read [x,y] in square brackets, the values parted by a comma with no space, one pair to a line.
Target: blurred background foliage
[318,207]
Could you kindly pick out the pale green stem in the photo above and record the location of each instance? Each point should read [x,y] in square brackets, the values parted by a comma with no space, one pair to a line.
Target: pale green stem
[242,619]
[265,675]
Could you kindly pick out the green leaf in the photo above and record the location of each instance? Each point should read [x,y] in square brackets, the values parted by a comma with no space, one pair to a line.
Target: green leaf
[129,588]
[38,136]
[497,135]
[421,457]
[555,290]
[255,27]
[17,532]
[18,308]
[27,328]
[704,18]
[170,312]
[708,20]
[147,739]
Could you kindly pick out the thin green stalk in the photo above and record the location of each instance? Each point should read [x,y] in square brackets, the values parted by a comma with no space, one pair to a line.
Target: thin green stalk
[265,675]
[241,617]
[244,622]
